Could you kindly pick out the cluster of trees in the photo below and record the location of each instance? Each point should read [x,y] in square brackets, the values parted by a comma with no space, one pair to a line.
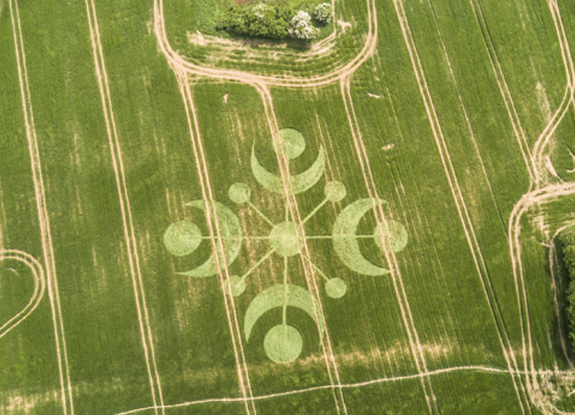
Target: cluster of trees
[322,13]
[567,245]
[274,20]
[302,28]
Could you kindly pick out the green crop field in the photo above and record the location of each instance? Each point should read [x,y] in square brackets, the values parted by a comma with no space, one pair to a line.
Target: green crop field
[200,223]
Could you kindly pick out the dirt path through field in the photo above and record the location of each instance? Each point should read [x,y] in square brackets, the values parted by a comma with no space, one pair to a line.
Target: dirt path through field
[177,61]
[464,110]
[217,246]
[510,106]
[568,98]
[541,194]
[128,226]
[460,204]
[483,369]
[39,277]
[401,295]
[529,200]
[43,215]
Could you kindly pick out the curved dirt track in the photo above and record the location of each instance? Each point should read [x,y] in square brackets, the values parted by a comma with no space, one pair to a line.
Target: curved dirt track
[181,65]
[39,287]
[542,192]
[125,209]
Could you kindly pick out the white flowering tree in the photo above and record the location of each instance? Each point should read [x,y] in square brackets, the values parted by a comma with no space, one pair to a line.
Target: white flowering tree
[301,27]
[261,10]
[323,13]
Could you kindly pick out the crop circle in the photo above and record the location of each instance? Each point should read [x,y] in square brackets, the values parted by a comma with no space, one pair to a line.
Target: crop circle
[239,193]
[335,191]
[293,142]
[182,238]
[284,239]
[335,288]
[283,344]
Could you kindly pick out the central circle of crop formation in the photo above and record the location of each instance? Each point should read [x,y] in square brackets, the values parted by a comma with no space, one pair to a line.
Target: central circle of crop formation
[284,239]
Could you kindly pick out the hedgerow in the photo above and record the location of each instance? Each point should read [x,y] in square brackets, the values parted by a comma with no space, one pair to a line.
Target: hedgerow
[272,20]
[567,245]
[262,20]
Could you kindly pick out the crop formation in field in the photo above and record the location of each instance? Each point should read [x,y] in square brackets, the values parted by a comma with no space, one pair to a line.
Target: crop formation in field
[194,222]
[283,343]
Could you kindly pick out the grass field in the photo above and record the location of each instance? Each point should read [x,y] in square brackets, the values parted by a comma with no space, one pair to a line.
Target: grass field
[214,226]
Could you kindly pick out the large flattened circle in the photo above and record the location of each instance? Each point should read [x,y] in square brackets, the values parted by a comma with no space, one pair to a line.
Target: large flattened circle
[335,191]
[335,288]
[284,239]
[283,344]
[239,193]
[182,238]
[293,142]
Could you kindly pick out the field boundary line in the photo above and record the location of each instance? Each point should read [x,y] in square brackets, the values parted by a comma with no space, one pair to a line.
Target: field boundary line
[128,226]
[326,387]
[215,238]
[463,213]
[43,216]
[547,133]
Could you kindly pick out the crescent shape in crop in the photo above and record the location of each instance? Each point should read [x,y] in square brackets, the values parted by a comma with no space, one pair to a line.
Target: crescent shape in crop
[275,296]
[299,183]
[230,242]
[345,240]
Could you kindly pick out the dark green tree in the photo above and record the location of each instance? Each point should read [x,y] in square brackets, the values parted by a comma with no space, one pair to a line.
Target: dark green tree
[566,241]
[271,21]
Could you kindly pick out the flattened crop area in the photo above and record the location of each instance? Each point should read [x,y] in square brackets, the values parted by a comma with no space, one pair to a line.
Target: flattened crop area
[364,226]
